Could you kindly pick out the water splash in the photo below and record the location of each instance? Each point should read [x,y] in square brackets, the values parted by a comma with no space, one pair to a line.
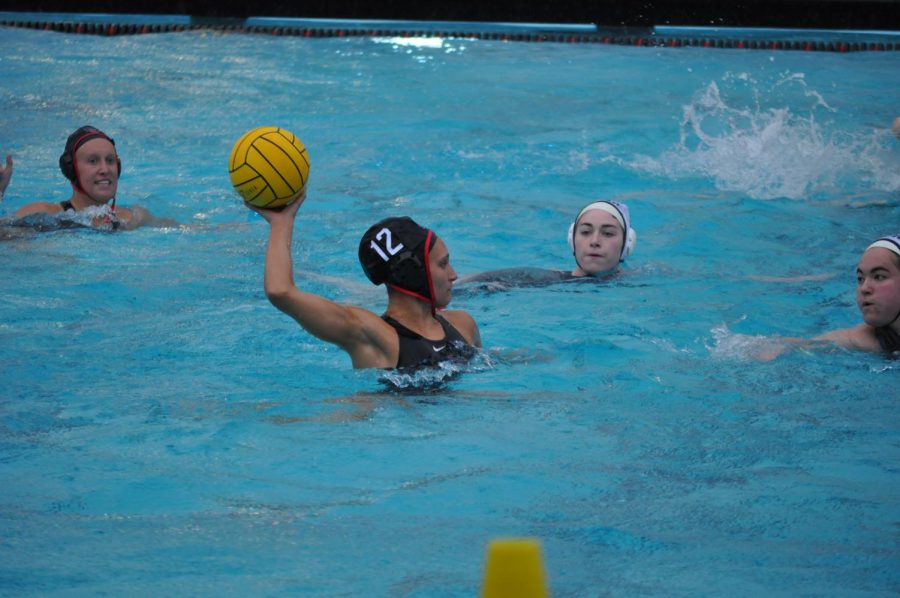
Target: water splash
[732,345]
[436,377]
[93,217]
[774,142]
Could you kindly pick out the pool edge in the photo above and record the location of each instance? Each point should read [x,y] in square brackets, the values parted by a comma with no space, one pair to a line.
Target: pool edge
[109,24]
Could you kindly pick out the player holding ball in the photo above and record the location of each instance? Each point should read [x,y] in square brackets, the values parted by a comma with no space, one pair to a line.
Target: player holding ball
[414,264]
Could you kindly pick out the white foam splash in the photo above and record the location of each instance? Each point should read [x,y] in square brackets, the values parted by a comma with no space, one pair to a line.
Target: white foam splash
[89,216]
[731,345]
[772,152]
[432,378]
[94,217]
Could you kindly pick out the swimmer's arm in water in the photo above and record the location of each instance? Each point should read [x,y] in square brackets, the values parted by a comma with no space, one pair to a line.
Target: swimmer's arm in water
[368,339]
[37,207]
[521,276]
[802,278]
[858,338]
[137,216]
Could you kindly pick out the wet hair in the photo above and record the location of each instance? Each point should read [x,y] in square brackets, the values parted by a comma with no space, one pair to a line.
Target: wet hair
[78,138]
[394,251]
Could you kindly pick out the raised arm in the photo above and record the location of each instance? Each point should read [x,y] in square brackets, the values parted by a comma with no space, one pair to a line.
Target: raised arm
[367,338]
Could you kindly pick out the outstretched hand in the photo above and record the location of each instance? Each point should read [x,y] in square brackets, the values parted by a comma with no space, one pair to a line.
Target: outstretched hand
[286,213]
[6,174]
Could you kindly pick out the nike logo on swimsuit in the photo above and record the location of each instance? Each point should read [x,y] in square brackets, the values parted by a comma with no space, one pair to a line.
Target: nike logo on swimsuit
[438,349]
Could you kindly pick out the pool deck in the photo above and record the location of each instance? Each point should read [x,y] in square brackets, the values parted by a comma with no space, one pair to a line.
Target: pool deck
[656,36]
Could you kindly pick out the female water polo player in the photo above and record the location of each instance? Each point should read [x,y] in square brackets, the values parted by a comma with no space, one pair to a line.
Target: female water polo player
[600,238]
[412,262]
[878,299]
[91,164]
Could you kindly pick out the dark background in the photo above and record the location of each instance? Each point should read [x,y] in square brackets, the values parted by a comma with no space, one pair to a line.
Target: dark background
[826,14]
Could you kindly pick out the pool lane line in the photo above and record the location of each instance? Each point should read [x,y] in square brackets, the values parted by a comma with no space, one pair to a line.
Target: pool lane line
[114,25]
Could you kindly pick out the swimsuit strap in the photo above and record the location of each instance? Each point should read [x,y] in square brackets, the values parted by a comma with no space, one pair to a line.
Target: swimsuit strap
[418,351]
[449,331]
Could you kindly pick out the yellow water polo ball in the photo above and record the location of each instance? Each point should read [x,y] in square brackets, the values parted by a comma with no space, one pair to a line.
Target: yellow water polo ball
[268,166]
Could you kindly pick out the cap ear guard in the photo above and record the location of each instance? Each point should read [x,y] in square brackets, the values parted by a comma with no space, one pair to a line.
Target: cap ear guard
[406,270]
[630,242]
[66,166]
[395,251]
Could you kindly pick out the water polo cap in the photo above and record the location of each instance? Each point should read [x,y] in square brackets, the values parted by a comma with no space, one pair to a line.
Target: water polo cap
[620,213]
[891,243]
[395,252]
[67,160]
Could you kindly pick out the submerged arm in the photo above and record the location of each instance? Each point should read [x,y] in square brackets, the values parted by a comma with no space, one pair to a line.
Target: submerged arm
[142,217]
[858,338]
[861,338]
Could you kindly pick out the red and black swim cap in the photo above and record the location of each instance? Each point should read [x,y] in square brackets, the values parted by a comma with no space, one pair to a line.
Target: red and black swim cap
[395,252]
[67,159]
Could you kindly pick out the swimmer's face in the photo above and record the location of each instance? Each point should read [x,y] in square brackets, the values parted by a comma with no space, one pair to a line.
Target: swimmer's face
[598,240]
[442,274]
[878,286]
[97,168]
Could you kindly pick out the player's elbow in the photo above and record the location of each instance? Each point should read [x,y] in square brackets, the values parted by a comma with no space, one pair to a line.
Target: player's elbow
[281,293]
[278,294]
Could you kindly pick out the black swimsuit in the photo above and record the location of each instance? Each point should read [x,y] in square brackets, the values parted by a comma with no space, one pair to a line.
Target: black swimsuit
[113,219]
[417,351]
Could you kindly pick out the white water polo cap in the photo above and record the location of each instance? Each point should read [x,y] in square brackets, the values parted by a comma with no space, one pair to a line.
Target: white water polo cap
[619,211]
[891,243]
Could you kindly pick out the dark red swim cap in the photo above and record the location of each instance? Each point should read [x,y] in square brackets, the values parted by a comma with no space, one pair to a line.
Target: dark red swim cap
[81,136]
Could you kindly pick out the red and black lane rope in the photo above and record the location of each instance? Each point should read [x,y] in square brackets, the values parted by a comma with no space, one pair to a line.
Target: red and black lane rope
[113,29]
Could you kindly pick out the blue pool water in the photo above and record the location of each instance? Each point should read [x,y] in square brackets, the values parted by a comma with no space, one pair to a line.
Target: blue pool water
[166,431]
